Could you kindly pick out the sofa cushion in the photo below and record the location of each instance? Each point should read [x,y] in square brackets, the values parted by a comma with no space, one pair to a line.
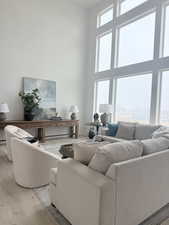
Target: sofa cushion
[112,129]
[161,132]
[84,152]
[113,153]
[126,130]
[155,145]
[145,131]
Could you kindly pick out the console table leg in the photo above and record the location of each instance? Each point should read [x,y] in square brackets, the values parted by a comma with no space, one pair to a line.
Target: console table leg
[41,134]
[71,132]
[77,131]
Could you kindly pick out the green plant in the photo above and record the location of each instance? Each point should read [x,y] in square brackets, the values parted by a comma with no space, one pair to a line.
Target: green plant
[30,100]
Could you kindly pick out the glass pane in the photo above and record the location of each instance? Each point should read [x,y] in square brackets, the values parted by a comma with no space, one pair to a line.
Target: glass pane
[127,5]
[166,36]
[102,93]
[136,41]
[105,17]
[104,56]
[133,98]
[164,111]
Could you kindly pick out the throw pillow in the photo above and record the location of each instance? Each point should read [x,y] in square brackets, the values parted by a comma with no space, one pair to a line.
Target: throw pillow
[112,129]
[144,131]
[126,130]
[113,153]
[161,132]
[155,145]
[83,152]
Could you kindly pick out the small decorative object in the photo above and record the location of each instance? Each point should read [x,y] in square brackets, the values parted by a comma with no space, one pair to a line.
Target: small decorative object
[3,110]
[74,110]
[106,109]
[31,103]
[96,117]
[91,134]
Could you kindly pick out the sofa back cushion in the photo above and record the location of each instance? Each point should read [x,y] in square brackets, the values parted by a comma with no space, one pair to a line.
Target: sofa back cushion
[126,130]
[83,152]
[113,153]
[145,131]
[112,129]
[155,145]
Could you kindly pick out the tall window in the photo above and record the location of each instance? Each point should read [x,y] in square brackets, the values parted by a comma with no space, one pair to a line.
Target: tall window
[132,40]
[127,5]
[105,16]
[104,44]
[134,98]
[136,41]
[166,33]
[102,90]
[164,109]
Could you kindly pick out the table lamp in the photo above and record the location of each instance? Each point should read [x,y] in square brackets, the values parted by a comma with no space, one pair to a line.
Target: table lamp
[74,110]
[106,109]
[3,110]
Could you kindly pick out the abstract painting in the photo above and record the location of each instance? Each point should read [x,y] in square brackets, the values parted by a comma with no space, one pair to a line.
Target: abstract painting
[47,91]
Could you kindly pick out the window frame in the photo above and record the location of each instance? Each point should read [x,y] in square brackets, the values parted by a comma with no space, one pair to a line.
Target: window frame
[98,50]
[154,66]
[102,13]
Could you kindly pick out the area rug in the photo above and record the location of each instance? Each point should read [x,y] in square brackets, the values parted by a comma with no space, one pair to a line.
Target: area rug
[43,196]
[159,218]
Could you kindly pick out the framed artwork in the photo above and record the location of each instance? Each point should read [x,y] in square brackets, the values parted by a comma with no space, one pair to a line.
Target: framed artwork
[47,91]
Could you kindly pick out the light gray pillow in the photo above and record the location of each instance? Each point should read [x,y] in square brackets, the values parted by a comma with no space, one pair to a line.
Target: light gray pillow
[161,132]
[126,130]
[113,153]
[145,131]
[83,152]
[155,145]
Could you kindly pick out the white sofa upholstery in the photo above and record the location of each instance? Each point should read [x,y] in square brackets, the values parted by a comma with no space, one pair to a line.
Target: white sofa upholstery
[130,192]
[141,132]
[31,163]
[11,132]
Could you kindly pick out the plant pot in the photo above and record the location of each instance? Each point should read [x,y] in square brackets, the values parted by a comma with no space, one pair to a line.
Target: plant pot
[28,116]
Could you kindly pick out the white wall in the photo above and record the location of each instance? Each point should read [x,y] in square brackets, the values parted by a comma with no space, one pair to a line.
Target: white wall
[42,39]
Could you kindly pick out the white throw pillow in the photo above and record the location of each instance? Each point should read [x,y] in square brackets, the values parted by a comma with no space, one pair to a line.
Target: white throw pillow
[155,145]
[145,131]
[113,153]
[126,130]
[161,132]
[84,152]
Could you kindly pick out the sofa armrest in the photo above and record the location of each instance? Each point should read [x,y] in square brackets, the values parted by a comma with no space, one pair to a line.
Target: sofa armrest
[141,187]
[84,195]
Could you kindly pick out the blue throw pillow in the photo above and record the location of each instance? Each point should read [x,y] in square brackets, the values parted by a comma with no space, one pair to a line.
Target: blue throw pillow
[112,131]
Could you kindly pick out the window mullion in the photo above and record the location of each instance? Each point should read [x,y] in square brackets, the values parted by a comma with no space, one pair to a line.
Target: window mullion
[155,97]
[155,94]
[158,32]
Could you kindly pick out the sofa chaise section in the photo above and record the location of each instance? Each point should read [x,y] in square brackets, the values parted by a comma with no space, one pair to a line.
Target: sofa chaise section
[130,192]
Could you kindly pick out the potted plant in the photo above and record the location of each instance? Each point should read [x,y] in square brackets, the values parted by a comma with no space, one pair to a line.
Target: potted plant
[31,103]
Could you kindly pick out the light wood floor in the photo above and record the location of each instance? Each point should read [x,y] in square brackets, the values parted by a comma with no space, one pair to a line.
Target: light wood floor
[18,206]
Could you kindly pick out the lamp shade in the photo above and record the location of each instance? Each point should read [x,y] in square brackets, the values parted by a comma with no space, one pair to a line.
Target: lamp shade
[4,108]
[74,109]
[106,108]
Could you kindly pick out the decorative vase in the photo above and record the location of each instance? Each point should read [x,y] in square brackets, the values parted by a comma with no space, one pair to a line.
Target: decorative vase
[91,134]
[28,115]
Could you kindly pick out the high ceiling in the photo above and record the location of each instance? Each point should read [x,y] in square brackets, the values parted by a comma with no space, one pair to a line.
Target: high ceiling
[87,3]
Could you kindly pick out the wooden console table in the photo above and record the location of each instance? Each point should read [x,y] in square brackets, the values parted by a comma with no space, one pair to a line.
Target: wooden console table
[40,125]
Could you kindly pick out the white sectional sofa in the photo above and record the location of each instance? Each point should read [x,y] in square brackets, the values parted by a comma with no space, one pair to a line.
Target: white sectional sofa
[127,194]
